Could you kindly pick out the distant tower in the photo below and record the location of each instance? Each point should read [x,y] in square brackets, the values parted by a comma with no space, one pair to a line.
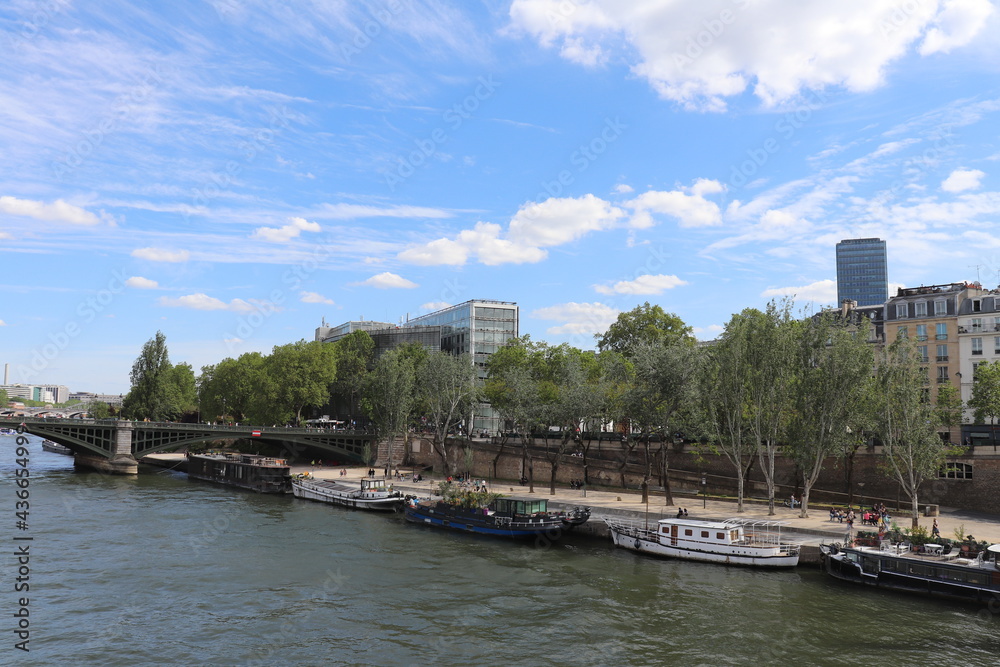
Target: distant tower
[6,374]
[862,273]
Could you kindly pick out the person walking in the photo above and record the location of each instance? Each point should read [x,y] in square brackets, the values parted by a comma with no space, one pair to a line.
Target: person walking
[935,531]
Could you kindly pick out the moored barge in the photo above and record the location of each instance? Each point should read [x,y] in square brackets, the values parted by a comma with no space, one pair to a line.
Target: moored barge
[263,474]
[503,517]
[373,494]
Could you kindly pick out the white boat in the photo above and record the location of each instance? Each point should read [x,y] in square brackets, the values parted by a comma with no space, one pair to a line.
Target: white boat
[56,448]
[731,542]
[372,494]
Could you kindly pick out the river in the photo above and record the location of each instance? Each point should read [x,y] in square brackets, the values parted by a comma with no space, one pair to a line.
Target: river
[161,570]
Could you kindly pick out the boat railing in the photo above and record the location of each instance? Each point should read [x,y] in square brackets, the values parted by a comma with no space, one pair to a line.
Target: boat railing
[761,532]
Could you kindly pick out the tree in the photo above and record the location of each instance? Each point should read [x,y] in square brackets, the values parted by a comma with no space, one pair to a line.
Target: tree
[98,410]
[182,390]
[387,396]
[4,399]
[985,399]
[948,406]
[449,387]
[238,389]
[150,395]
[644,324]
[665,381]
[355,353]
[911,447]
[300,376]
[834,364]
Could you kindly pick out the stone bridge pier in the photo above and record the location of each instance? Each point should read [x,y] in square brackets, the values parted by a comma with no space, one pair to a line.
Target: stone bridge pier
[121,461]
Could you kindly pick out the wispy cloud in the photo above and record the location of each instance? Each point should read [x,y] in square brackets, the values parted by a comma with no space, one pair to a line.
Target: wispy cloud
[202,301]
[57,211]
[161,255]
[388,280]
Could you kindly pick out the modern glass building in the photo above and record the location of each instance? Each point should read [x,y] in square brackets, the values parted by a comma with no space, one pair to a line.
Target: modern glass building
[862,273]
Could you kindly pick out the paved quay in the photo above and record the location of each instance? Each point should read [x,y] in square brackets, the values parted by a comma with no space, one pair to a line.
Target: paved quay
[611,502]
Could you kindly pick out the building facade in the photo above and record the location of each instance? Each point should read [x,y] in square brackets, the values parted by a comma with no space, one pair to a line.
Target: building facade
[978,343]
[862,272]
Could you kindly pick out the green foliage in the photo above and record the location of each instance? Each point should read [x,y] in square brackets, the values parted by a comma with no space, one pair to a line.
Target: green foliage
[355,354]
[455,495]
[152,394]
[388,394]
[644,324]
[3,398]
[98,410]
[985,399]
[297,375]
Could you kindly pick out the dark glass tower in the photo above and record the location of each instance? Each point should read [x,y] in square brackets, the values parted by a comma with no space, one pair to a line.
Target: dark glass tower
[862,275]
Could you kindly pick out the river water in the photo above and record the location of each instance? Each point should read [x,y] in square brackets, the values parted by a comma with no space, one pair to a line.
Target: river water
[161,570]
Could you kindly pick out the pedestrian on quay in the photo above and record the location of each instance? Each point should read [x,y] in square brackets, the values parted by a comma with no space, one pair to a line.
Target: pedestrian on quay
[935,531]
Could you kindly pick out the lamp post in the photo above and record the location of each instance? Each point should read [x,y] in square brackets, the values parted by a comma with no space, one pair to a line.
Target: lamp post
[861,490]
[704,491]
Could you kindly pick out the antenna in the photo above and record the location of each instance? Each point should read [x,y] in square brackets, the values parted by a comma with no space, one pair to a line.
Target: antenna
[976,266]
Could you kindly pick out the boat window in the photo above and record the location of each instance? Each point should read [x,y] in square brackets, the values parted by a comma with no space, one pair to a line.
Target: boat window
[720,536]
[665,529]
[734,535]
[688,532]
[704,533]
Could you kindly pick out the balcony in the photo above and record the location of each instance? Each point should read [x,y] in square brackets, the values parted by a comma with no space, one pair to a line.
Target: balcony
[977,352]
[943,336]
[924,337]
[941,358]
[942,380]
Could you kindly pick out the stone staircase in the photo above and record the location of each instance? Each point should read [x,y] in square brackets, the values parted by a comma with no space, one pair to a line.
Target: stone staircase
[398,449]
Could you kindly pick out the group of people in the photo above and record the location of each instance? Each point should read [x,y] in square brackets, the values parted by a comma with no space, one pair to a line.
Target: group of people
[681,512]
[576,483]
[876,516]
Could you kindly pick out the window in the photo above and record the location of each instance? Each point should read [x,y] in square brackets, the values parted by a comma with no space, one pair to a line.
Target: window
[977,305]
[954,470]
[977,324]
[996,345]
[942,374]
[901,332]
[920,309]
[688,532]
[975,368]
[720,536]
[940,307]
[704,533]
[901,311]
[922,353]
[996,323]
[942,353]
[977,346]
[921,332]
[941,331]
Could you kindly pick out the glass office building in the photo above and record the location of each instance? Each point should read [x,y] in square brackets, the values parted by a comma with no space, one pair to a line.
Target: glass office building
[862,273]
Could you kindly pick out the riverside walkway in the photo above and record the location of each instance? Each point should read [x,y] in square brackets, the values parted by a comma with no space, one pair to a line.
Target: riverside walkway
[612,502]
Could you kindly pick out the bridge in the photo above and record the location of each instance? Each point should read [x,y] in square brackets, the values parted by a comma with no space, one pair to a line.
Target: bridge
[115,446]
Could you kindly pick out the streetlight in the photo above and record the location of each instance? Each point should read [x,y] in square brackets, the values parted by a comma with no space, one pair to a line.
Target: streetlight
[861,487]
[704,491]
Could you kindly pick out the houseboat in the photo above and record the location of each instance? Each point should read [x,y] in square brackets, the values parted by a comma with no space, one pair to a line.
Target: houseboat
[943,572]
[373,494]
[503,517]
[56,448]
[263,474]
[731,542]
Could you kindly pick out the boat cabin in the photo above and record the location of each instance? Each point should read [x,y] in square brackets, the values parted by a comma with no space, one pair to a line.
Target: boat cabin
[514,507]
[684,532]
[374,485]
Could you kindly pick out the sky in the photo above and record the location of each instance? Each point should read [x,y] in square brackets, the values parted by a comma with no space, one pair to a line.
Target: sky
[233,172]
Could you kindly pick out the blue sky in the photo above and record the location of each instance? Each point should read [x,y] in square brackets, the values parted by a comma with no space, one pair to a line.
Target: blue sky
[232,172]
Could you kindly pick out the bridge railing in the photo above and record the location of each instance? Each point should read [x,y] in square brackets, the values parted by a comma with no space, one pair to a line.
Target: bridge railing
[183,426]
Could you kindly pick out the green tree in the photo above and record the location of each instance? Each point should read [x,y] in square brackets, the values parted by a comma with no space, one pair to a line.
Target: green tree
[150,395]
[948,406]
[512,391]
[98,410]
[644,324]
[355,355]
[236,389]
[833,371]
[985,399]
[182,390]
[912,450]
[387,396]
[449,387]
[300,375]
[4,399]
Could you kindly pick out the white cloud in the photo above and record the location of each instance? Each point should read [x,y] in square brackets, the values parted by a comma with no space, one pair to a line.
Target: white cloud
[161,255]
[2,323]
[314,297]
[578,318]
[388,280]
[623,189]
[688,205]
[431,306]
[961,180]
[5,235]
[711,332]
[823,292]
[286,233]
[57,211]
[139,282]
[956,25]
[645,284]
[353,211]
[201,301]
[534,227]
[701,55]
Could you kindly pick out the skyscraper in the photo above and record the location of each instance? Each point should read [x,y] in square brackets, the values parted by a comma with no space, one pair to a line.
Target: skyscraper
[862,275]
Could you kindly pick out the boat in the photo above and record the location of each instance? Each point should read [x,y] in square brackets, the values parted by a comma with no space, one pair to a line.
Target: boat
[944,572]
[8,431]
[730,541]
[56,448]
[373,494]
[502,517]
[263,474]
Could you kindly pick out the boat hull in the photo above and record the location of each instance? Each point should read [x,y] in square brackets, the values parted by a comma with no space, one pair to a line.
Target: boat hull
[748,556]
[339,495]
[468,521]
[56,448]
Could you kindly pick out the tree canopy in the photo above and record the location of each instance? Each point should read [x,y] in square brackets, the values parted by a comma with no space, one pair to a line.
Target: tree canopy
[644,324]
